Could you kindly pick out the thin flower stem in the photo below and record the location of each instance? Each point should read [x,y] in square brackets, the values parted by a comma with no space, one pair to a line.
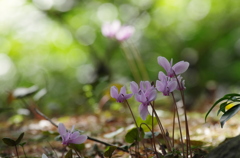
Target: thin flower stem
[77,153]
[134,121]
[153,134]
[187,127]
[90,138]
[153,144]
[162,129]
[186,120]
[179,123]
[140,63]
[131,113]
[174,113]
[24,152]
[132,65]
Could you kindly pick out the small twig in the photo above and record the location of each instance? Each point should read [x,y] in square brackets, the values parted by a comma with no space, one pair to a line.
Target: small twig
[90,138]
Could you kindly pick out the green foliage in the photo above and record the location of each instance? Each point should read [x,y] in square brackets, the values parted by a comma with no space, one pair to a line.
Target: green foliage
[77,147]
[225,102]
[134,136]
[63,53]
[11,142]
[229,114]
[109,151]
[69,154]
[19,138]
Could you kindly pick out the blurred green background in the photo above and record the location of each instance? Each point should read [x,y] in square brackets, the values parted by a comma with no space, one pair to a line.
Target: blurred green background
[58,46]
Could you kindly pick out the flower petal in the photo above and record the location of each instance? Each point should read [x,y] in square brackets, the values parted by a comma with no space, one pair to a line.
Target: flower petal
[110,29]
[134,87]
[180,67]
[172,85]
[141,97]
[61,129]
[124,33]
[127,96]
[160,85]
[143,110]
[114,92]
[162,61]
[152,95]
[79,140]
[162,76]
[123,91]
[74,135]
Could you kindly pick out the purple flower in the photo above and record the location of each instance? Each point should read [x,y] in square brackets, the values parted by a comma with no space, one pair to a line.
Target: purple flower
[165,84]
[70,137]
[145,94]
[110,29]
[120,97]
[124,33]
[181,85]
[115,30]
[178,68]
[144,86]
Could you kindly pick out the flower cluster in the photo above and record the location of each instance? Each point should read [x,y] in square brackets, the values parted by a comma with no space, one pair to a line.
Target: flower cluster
[115,30]
[70,137]
[145,93]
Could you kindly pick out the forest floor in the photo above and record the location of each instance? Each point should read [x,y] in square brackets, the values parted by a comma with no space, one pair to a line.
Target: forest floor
[109,127]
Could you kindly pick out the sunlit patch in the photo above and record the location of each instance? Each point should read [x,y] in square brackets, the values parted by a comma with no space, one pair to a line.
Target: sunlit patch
[6,67]
[198,9]
[63,5]
[43,4]
[107,12]
[86,74]
[86,35]
[128,12]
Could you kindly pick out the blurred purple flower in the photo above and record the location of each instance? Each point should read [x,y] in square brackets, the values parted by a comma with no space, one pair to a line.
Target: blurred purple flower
[115,30]
[179,68]
[110,29]
[70,137]
[165,84]
[145,95]
[120,97]
[124,33]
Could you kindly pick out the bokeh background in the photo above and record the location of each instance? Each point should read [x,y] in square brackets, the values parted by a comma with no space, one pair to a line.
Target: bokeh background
[57,45]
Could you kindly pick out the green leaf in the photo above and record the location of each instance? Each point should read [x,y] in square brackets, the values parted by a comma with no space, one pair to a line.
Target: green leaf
[19,138]
[22,144]
[77,147]
[9,142]
[133,135]
[69,154]
[223,107]
[218,101]
[5,109]
[229,114]
[109,151]
[232,95]
[149,135]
